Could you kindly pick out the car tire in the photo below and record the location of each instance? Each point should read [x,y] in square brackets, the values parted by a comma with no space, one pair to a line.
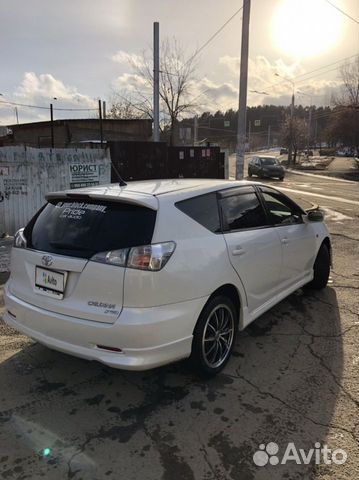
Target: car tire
[249,173]
[281,179]
[210,349]
[321,269]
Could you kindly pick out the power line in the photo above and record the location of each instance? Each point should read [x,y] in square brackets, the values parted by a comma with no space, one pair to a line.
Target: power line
[342,11]
[77,109]
[23,105]
[301,75]
[47,108]
[168,73]
[317,75]
[212,37]
[337,111]
[217,32]
[312,71]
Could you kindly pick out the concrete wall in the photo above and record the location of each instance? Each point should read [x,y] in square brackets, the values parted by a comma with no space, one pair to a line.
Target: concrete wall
[27,174]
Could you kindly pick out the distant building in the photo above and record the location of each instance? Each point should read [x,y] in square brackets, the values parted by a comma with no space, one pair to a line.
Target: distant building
[77,133]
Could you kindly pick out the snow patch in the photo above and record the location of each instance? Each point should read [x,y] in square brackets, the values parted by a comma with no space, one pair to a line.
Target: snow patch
[334,216]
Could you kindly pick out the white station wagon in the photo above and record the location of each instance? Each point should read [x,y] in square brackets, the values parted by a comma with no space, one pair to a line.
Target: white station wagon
[144,274]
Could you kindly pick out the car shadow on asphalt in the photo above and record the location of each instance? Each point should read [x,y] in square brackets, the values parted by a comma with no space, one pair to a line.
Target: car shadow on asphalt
[63,417]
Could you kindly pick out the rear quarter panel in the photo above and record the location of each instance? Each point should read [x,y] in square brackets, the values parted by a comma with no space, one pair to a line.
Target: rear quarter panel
[198,266]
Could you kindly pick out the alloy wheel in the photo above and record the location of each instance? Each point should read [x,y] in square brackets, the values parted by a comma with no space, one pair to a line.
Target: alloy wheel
[218,335]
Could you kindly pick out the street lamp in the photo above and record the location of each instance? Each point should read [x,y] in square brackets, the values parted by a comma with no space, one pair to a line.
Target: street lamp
[290,150]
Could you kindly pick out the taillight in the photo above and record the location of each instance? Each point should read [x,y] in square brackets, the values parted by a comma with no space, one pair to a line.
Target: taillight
[19,239]
[114,257]
[146,257]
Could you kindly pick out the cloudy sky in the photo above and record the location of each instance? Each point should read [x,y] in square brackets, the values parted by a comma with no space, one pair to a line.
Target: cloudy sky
[77,50]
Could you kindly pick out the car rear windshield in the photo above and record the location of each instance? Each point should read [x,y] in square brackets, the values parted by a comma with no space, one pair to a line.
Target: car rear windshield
[83,228]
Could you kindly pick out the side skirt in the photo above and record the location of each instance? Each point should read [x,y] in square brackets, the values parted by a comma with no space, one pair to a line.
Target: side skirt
[249,317]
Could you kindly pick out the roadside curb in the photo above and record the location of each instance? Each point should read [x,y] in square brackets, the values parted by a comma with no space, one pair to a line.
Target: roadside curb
[326,177]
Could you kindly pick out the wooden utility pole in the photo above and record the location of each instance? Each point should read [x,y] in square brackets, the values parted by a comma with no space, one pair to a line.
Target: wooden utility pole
[100,120]
[195,130]
[291,145]
[156,82]
[241,130]
[268,137]
[52,125]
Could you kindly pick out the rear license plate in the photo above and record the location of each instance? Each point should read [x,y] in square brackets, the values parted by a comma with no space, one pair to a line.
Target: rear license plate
[50,282]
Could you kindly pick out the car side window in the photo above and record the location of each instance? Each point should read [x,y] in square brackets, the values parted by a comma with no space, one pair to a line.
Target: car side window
[280,209]
[203,209]
[242,211]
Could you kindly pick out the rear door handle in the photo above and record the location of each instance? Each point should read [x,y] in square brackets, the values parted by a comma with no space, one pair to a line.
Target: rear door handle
[238,251]
[285,241]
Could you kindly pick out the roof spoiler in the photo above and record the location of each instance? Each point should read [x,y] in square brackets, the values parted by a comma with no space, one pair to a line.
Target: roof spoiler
[148,201]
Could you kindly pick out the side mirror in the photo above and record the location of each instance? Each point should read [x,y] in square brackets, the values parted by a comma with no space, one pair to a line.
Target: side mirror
[315,216]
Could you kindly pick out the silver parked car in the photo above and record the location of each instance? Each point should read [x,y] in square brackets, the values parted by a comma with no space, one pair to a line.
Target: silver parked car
[145,274]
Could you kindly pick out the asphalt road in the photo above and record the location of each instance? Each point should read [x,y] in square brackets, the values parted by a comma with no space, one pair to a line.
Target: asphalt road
[293,378]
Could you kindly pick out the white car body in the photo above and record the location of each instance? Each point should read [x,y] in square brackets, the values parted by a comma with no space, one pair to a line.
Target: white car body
[135,319]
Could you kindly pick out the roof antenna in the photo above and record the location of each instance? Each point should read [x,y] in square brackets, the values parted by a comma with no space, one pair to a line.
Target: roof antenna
[121,181]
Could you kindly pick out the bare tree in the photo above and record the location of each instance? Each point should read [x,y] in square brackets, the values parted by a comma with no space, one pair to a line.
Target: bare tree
[176,81]
[349,94]
[297,135]
[123,107]
[343,127]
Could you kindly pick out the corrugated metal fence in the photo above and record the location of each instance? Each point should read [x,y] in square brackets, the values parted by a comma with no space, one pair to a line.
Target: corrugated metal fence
[27,174]
[148,160]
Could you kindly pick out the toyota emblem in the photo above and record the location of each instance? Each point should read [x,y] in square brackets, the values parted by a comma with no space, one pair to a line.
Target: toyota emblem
[47,260]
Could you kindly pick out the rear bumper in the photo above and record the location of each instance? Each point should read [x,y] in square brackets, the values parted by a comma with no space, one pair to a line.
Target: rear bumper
[148,337]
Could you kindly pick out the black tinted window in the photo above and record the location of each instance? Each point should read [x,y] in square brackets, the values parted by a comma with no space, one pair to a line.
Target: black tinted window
[281,210]
[202,209]
[81,229]
[242,211]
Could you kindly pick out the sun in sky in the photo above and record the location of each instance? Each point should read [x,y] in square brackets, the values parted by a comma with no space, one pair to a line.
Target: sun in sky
[306,28]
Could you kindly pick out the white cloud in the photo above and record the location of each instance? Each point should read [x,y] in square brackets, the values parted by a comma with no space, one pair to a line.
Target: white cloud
[130,82]
[204,94]
[262,78]
[212,96]
[262,74]
[125,58]
[45,87]
[40,90]
[207,94]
